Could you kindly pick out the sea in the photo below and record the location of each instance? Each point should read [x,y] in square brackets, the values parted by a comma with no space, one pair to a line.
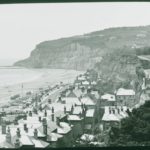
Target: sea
[17,80]
[13,75]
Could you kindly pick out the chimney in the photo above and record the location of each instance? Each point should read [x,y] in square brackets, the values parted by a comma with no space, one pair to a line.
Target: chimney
[30,113]
[35,133]
[82,105]
[45,126]
[25,117]
[72,109]
[52,116]
[121,108]
[16,122]
[40,119]
[18,132]
[40,107]
[58,121]
[69,123]
[85,108]
[17,143]
[3,127]
[45,113]
[8,136]
[59,99]
[113,111]
[25,126]
[52,109]
[49,101]
[83,113]
[89,91]
[64,109]
[35,111]
[109,111]
[82,89]
[80,115]
[26,129]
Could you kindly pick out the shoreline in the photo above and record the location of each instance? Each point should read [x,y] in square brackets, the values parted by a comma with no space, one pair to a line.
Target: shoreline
[48,77]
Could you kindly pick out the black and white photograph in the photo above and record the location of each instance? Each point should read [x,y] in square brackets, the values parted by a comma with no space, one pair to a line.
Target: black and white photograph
[74,75]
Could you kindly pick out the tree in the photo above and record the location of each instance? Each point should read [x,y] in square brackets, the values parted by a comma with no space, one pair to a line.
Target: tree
[134,130]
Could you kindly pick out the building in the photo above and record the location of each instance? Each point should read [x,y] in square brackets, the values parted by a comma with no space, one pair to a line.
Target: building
[81,78]
[78,125]
[125,97]
[71,100]
[89,121]
[80,92]
[86,84]
[112,116]
[54,130]
[18,137]
[46,123]
[107,100]
[88,102]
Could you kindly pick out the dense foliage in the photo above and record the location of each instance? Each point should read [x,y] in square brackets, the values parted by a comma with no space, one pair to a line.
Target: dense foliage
[134,130]
[143,51]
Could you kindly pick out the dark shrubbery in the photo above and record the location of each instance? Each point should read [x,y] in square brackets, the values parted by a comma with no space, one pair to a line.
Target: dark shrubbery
[135,129]
[143,51]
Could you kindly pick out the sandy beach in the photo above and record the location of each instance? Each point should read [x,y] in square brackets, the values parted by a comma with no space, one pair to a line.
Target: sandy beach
[48,77]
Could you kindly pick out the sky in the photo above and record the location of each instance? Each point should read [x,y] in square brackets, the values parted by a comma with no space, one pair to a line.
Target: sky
[23,26]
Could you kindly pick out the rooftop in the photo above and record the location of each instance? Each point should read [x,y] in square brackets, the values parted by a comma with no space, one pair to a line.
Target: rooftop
[74,118]
[108,97]
[79,92]
[90,113]
[82,78]
[114,113]
[85,83]
[87,101]
[77,110]
[71,94]
[60,106]
[39,143]
[123,91]
[71,100]
[53,137]
[64,128]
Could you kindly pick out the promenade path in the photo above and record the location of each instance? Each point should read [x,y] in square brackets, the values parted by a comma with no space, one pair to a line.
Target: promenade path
[53,95]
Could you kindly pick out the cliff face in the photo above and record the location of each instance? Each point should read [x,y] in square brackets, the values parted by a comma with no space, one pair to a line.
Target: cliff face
[119,66]
[83,52]
[71,56]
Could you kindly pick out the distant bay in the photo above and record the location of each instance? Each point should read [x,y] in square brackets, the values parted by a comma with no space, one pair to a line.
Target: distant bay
[16,80]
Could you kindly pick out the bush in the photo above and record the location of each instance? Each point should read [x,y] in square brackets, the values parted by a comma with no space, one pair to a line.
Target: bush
[146,116]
